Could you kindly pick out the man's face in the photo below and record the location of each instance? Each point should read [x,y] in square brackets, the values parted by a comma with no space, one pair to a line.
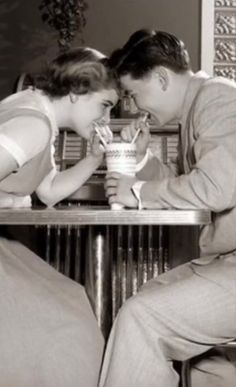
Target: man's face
[149,95]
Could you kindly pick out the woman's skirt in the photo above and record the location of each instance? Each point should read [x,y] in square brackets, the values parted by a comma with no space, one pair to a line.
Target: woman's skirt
[49,336]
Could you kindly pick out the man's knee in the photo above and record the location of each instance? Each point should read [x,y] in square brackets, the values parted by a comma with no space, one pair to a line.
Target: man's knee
[138,313]
[133,308]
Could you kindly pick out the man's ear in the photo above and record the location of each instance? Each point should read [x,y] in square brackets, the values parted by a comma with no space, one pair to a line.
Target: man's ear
[163,77]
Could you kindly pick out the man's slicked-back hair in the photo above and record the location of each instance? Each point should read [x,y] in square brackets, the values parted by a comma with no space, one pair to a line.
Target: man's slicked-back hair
[147,49]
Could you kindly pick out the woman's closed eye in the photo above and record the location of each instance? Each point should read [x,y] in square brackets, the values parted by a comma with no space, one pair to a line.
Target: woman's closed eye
[106,109]
[107,105]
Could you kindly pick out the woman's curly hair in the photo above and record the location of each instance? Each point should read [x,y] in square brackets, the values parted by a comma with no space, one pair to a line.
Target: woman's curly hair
[78,71]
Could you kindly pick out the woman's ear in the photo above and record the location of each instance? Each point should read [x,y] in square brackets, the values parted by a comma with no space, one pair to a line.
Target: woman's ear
[163,77]
[74,97]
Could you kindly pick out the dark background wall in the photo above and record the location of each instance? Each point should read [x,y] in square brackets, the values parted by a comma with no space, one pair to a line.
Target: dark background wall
[26,43]
[110,22]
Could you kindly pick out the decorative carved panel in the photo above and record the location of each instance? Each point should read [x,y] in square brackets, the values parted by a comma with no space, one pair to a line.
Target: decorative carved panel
[225,38]
[219,37]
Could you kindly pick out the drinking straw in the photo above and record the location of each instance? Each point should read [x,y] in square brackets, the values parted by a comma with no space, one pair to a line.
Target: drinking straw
[144,119]
[96,127]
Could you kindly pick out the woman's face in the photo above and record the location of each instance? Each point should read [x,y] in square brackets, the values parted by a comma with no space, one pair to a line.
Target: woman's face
[90,107]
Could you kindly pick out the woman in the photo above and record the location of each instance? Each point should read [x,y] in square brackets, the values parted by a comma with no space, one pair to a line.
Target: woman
[48,333]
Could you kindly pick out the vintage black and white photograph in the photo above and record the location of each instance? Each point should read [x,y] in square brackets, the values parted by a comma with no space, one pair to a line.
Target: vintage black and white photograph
[118,193]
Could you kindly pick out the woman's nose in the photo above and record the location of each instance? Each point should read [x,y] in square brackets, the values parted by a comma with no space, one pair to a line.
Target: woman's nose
[106,118]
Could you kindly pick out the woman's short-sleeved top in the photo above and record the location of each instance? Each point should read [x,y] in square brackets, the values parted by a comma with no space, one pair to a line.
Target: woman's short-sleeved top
[28,103]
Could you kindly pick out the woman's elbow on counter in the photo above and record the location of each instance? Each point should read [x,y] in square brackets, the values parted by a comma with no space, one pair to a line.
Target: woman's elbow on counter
[48,200]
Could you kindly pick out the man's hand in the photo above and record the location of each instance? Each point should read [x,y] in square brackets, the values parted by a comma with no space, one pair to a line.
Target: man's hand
[118,189]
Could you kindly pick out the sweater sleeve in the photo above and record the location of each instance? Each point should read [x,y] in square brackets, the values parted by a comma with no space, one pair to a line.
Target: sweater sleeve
[211,183]
[155,169]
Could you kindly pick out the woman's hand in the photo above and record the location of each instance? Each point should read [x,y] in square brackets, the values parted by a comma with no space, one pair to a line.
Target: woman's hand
[118,189]
[106,133]
[142,142]
[97,148]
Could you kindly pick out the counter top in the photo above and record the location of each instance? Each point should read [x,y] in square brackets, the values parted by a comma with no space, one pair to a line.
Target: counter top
[83,215]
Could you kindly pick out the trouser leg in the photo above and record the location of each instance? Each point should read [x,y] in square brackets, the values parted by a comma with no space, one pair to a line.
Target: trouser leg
[166,322]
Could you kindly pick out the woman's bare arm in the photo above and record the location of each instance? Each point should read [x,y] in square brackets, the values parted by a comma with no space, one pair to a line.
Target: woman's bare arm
[7,163]
[58,185]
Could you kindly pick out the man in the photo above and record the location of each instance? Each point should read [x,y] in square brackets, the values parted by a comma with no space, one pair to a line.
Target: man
[181,314]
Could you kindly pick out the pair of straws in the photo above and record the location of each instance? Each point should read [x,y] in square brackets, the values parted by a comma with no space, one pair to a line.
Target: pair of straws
[97,130]
[144,119]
